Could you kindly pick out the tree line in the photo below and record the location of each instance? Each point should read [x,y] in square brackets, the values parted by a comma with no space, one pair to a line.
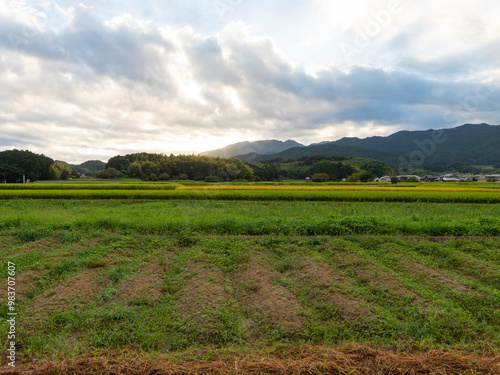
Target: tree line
[154,167]
[160,167]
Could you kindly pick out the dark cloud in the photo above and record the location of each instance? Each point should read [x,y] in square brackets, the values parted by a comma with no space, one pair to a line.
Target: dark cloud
[114,52]
[121,52]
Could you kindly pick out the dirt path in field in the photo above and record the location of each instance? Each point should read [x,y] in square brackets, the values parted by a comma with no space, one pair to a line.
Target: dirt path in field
[350,359]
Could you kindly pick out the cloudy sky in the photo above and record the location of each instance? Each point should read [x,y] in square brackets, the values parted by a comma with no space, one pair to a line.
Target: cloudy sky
[100,78]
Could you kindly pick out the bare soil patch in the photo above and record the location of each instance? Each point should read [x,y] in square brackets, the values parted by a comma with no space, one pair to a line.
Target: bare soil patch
[201,293]
[321,278]
[417,268]
[41,245]
[7,241]
[262,296]
[75,248]
[78,290]
[145,286]
[370,274]
[26,283]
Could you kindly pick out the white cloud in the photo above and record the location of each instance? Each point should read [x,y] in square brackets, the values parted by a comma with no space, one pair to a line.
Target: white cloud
[109,81]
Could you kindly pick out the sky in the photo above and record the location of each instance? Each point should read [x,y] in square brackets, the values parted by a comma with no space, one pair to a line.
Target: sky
[90,80]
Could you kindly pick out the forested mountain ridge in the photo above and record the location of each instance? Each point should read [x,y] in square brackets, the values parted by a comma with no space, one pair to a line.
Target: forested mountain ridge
[475,144]
[462,147]
[326,149]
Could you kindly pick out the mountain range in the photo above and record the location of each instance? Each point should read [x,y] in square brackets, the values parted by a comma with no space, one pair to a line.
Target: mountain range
[258,147]
[433,150]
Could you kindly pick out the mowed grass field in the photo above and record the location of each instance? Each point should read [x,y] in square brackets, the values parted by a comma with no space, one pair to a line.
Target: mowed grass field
[286,286]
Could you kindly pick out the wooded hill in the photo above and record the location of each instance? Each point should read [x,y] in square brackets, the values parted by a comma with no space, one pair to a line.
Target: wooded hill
[14,164]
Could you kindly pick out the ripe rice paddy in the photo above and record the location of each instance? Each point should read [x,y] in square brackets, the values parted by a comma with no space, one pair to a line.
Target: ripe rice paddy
[444,193]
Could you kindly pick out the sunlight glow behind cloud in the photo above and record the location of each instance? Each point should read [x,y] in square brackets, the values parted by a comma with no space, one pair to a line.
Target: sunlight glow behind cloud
[95,80]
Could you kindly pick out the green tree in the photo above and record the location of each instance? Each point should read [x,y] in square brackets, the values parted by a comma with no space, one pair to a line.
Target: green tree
[353,177]
[320,177]
[330,167]
[134,170]
[233,171]
[164,176]
[109,173]
[265,172]
[148,168]
[59,170]
[365,176]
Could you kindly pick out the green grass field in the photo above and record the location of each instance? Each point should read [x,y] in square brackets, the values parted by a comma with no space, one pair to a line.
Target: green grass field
[64,217]
[206,280]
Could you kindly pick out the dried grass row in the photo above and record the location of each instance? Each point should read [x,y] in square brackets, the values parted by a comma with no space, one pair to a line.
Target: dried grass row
[352,359]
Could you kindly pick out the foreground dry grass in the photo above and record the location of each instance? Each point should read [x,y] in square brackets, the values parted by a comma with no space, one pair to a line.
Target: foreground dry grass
[348,359]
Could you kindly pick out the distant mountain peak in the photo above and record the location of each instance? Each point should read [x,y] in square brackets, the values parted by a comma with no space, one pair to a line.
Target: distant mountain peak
[319,143]
[264,147]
